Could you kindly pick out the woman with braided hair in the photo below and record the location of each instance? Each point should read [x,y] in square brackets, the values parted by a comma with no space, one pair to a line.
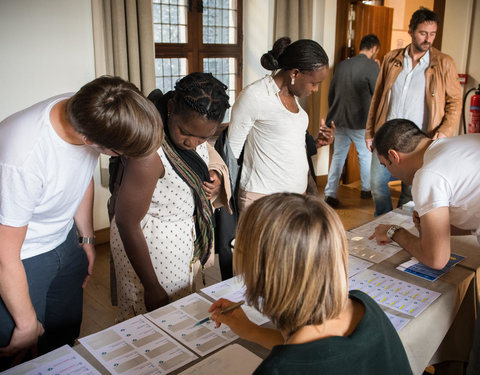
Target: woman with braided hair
[163,223]
[269,122]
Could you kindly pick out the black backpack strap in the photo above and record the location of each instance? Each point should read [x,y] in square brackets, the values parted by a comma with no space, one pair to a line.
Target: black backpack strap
[116,168]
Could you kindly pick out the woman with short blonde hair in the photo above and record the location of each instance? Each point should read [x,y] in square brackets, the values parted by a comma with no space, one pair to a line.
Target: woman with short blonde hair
[292,253]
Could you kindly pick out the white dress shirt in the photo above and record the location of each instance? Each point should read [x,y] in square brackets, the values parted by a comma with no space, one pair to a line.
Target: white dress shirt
[408,92]
[275,158]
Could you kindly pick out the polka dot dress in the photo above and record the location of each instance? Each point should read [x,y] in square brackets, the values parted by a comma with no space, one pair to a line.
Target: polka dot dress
[169,231]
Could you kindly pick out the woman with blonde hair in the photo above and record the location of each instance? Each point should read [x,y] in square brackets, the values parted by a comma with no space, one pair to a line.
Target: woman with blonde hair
[292,252]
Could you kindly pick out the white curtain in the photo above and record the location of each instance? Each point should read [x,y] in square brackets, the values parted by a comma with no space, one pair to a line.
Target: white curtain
[123,41]
[294,18]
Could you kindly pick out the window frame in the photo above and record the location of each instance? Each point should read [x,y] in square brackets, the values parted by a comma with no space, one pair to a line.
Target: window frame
[195,50]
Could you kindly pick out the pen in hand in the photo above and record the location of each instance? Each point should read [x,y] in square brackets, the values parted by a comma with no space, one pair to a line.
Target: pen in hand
[224,311]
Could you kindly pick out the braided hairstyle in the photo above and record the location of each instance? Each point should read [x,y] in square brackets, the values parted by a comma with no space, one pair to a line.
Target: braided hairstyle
[202,93]
[304,55]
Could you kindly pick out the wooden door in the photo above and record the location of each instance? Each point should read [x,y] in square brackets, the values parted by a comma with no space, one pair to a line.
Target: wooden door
[368,19]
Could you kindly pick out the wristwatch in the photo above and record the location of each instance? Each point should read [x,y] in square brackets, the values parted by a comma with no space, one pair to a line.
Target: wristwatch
[83,240]
[391,231]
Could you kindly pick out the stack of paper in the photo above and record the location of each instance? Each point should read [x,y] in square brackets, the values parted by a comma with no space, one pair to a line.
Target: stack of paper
[234,290]
[393,293]
[179,317]
[136,346]
[360,246]
[357,265]
[63,360]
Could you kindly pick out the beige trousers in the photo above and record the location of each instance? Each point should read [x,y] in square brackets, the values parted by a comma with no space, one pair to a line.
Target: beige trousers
[246,198]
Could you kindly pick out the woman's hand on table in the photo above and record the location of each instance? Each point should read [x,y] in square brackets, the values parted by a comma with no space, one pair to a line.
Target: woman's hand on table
[239,323]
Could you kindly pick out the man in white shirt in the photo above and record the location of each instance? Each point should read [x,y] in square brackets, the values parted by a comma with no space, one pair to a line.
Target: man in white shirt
[445,188]
[418,83]
[446,192]
[48,153]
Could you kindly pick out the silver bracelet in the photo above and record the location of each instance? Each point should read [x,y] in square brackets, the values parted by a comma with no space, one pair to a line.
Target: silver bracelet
[391,231]
[84,240]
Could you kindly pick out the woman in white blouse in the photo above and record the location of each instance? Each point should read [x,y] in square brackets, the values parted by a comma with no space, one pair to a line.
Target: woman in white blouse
[268,120]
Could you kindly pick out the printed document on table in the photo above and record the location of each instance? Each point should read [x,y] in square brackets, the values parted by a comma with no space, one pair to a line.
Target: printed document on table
[63,360]
[393,293]
[369,250]
[357,265]
[360,246]
[137,346]
[397,321]
[219,290]
[414,267]
[391,218]
[234,290]
[179,317]
[232,360]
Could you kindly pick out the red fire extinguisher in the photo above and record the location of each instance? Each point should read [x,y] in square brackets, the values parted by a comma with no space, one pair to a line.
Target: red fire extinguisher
[474,125]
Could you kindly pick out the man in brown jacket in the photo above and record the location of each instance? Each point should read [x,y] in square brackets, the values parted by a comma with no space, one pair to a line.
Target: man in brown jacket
[418,83]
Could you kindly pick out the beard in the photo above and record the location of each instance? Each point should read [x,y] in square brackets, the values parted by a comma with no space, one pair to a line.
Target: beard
[423,47]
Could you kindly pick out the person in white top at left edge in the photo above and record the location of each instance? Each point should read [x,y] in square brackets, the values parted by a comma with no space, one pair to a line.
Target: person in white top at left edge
[48,153]
[268,120]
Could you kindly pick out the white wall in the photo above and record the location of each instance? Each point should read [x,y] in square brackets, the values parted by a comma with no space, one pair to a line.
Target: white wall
[258,23]
[473,49]
[47,49]
[324,24]
[461,40]
[456,31]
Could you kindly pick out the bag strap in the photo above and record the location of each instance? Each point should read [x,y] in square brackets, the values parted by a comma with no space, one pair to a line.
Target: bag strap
[116,168]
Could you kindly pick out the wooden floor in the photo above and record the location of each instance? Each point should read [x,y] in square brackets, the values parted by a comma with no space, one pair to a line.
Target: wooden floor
[98,312]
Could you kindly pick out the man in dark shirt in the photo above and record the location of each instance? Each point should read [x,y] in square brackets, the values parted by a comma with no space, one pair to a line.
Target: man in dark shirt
[349,99]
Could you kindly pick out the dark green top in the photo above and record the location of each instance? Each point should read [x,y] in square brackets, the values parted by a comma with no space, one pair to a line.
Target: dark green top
[373,348]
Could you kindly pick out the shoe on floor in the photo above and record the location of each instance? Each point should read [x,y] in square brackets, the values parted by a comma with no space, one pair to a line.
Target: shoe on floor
[365,194]
[332,202]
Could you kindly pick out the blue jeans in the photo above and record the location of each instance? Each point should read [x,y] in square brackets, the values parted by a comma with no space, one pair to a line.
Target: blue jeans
[343,138]
[380,176]
[55,284]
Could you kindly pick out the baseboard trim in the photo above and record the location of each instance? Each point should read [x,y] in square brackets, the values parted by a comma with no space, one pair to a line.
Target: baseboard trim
[102,236]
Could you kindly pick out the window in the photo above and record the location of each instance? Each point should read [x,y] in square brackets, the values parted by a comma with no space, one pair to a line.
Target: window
[198,35]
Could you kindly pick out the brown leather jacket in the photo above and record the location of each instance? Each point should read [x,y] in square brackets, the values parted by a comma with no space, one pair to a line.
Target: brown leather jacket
[442,93]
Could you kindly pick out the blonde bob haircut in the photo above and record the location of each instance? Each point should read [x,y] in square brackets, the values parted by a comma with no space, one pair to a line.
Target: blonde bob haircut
[292,252]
